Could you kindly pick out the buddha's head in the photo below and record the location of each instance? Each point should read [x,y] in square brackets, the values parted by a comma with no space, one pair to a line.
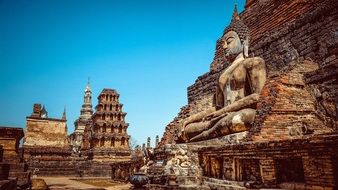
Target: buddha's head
[232,45]
[235,39]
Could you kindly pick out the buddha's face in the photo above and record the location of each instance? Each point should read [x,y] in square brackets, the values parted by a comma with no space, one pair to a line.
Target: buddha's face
[232,45]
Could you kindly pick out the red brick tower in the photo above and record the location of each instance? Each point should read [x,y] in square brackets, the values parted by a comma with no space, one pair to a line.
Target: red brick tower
[110,139]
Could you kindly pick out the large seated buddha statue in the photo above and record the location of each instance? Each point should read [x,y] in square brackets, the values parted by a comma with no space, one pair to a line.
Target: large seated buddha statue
[238,90]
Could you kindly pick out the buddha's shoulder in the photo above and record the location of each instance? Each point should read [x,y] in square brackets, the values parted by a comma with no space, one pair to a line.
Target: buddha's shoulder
[253,61]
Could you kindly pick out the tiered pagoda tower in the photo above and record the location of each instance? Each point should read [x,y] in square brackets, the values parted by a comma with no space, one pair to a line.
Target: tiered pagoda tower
[83,124]
[109,139]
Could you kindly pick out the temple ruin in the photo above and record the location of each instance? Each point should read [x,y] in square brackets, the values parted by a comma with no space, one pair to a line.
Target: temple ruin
[283,136]
[99,139]
[110,141]
[14,172]
[292,142]
[44,131]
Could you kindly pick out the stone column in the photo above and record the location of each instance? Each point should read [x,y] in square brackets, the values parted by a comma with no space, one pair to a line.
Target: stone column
[148,142]
[268,171]
[157,141]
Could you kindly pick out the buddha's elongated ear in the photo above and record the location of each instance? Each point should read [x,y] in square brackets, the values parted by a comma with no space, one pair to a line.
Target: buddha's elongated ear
[246,47]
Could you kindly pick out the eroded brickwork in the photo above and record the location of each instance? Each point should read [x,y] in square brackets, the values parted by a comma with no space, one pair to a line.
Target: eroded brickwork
[110,140]
[307,163]
[45,132]
[13,169]
[287,108]
[110,128]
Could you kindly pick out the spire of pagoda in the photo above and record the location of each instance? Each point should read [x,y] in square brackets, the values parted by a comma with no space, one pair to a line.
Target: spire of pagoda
[86,110]
[64,117]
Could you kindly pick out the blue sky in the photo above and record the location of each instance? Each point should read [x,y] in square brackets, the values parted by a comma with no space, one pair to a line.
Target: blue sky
[150,51]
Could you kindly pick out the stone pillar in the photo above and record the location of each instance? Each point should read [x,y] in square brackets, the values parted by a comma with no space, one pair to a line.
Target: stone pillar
[143,146]
[148,142]
[228,168]
[157,141]
[268,172]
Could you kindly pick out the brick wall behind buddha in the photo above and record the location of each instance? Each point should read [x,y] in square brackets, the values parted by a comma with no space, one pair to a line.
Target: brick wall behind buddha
[284,30]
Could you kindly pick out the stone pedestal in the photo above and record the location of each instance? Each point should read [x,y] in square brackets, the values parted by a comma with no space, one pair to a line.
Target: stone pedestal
[180,169]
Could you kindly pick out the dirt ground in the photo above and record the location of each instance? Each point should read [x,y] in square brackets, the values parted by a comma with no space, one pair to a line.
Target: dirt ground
[66,183]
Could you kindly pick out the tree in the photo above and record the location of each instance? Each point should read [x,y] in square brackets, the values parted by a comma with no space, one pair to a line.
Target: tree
[133,143]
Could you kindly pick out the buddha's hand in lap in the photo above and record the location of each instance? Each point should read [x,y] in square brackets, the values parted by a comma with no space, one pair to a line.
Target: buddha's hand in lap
[184,125]
[208,117]
[214,115]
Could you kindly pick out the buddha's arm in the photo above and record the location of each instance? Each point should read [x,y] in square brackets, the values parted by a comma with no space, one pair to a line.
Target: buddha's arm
[238,105]
[197,117]
[257,72]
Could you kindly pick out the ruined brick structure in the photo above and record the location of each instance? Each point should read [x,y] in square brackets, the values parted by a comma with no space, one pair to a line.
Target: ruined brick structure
[99,139]
[13,169]
[109,140]
[110,128]
[109,133]
[121,171]
[293,142]
[46,147]
[44,131]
